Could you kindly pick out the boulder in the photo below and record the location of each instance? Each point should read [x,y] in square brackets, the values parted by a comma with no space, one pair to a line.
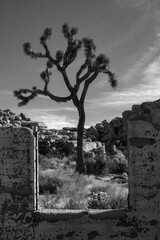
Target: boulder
[65,137]
[17,118]
[73,135]
[73,143]
[70,129]
[88,146]
[99,127]
[17,123]
[106,137]
[92,133]
[63,132]
[116,122]
[98,144]
[23,116]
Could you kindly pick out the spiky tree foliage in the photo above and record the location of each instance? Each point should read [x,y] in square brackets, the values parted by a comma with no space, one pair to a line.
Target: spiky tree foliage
[93,65]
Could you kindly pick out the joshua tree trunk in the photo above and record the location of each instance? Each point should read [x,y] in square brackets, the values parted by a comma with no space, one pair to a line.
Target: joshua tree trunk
[80,167]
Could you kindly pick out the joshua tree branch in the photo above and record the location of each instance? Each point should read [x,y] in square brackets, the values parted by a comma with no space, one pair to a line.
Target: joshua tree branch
[86,85]
[65,62]
[82,68]
[79,79]
[20,94]
[112,78]
[50,58]
[67,82]
[59,68]
[85,76]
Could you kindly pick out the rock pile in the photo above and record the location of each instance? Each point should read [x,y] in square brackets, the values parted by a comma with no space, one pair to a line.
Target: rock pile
[111,133]
[8,118]
[108,134]
[65,141]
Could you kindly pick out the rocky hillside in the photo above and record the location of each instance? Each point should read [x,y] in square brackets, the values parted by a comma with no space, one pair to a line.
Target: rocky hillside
[102,137]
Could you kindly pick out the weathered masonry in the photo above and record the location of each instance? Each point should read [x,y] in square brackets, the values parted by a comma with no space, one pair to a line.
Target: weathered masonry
[20,218]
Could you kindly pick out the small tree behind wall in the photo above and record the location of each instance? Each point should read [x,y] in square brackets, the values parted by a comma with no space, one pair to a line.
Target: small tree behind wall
[92,66]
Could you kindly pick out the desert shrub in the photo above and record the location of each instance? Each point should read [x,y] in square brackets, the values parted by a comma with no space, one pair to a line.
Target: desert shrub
[47,162]
[96,165]
[99,200]
[100,165]
[119,202]
[90,165]
[64,147]
[44,147]
[117,163]
[69,165]
[49,181]
[111,196]
[72,157]
[118,196]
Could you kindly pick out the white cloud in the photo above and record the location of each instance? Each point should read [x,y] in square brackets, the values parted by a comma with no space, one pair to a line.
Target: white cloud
[152,71]
[56,122]
[148,89]
[50,110]
[52,117]
[52,120]
[141,82]
[135,73]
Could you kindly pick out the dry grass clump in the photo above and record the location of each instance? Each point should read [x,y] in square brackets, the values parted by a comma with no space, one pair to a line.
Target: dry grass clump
[72,194]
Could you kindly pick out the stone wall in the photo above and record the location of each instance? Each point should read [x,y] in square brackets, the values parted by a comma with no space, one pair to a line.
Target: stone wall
[17,183]
[20,218]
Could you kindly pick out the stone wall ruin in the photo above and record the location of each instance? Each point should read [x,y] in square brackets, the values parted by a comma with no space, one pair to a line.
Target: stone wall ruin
[20,218]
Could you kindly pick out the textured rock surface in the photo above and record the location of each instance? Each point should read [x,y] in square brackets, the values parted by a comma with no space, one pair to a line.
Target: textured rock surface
[17,183]
[111,133]
[10,119]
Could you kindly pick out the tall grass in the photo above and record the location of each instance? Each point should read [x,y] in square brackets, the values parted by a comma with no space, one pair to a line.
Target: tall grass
[73,193]
[78,192]
[62,188]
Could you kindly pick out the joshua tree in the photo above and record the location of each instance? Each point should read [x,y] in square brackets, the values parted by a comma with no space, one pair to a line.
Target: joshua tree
[86,74]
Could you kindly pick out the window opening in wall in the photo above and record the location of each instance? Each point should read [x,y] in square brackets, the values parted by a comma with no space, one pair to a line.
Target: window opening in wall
[105,185]
[60,185]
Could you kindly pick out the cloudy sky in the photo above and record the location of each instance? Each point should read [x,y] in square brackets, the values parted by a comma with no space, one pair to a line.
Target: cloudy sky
[127,31]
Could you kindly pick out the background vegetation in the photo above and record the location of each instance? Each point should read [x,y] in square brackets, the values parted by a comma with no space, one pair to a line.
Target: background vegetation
[61,187]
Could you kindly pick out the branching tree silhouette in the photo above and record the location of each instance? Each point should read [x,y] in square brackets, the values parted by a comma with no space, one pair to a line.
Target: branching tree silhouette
[87,73]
